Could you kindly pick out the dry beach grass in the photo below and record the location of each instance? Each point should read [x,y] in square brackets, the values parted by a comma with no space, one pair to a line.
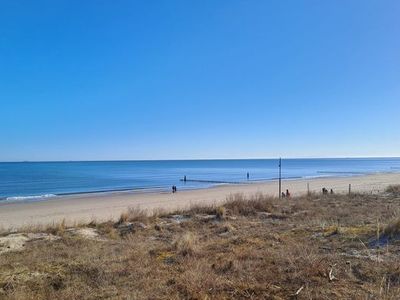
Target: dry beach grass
[257,247]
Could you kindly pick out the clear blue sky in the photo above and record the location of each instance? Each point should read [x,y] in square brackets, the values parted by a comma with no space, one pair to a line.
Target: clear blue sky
[89,80]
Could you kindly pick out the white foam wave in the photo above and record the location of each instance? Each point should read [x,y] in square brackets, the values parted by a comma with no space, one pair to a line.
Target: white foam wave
[26,198]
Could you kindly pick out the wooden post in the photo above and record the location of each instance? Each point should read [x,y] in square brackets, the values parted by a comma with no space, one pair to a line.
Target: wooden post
[308,189]
[280,178]
[349,188]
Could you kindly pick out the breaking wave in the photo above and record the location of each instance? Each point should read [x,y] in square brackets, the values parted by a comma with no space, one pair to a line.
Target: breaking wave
[26,198]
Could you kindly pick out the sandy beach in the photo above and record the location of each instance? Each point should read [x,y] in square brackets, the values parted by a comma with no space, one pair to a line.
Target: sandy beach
[103,206]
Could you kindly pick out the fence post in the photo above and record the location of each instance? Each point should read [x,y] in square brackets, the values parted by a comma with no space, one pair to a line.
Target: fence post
[349,188]
[280,178]
[308,189]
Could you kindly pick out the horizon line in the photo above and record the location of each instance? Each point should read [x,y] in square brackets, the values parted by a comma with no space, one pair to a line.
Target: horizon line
[199,159]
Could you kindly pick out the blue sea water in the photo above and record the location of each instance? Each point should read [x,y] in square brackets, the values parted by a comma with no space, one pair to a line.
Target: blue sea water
[37,180]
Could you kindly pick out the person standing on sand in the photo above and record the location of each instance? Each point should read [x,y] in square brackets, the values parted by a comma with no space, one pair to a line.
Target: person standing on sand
[287,194]
[248,176]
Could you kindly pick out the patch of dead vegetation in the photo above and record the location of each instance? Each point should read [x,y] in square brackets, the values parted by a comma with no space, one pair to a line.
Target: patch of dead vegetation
[393,189]
[392,230]
[311,247]
[186,244]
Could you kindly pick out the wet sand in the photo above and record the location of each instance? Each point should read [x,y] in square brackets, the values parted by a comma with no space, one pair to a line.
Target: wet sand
[103,206]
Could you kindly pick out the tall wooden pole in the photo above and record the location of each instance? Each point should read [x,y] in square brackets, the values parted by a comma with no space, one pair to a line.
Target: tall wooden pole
[280,178]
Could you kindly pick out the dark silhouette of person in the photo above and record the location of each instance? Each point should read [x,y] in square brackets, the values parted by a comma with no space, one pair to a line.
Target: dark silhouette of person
[287,194]
[184,178]
[248,176]
[331,191]
[283,195]
[173,189]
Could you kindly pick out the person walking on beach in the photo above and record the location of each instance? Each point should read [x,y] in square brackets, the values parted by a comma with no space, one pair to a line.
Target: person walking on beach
[173,189]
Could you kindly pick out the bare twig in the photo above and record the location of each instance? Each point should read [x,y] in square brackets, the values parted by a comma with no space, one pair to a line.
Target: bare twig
[299,290]
[331,276]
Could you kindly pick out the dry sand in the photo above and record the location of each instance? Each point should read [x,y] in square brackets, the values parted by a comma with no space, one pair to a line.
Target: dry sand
[102,206]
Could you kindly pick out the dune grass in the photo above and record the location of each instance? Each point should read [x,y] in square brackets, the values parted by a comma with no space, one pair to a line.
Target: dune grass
[393,189]
[311,247]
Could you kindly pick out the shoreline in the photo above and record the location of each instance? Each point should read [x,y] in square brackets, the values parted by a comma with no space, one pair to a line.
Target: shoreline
[212,184]
[109,205]
[156,190]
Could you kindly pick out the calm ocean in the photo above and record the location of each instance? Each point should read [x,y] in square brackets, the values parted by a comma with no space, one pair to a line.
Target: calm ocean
[36,180]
